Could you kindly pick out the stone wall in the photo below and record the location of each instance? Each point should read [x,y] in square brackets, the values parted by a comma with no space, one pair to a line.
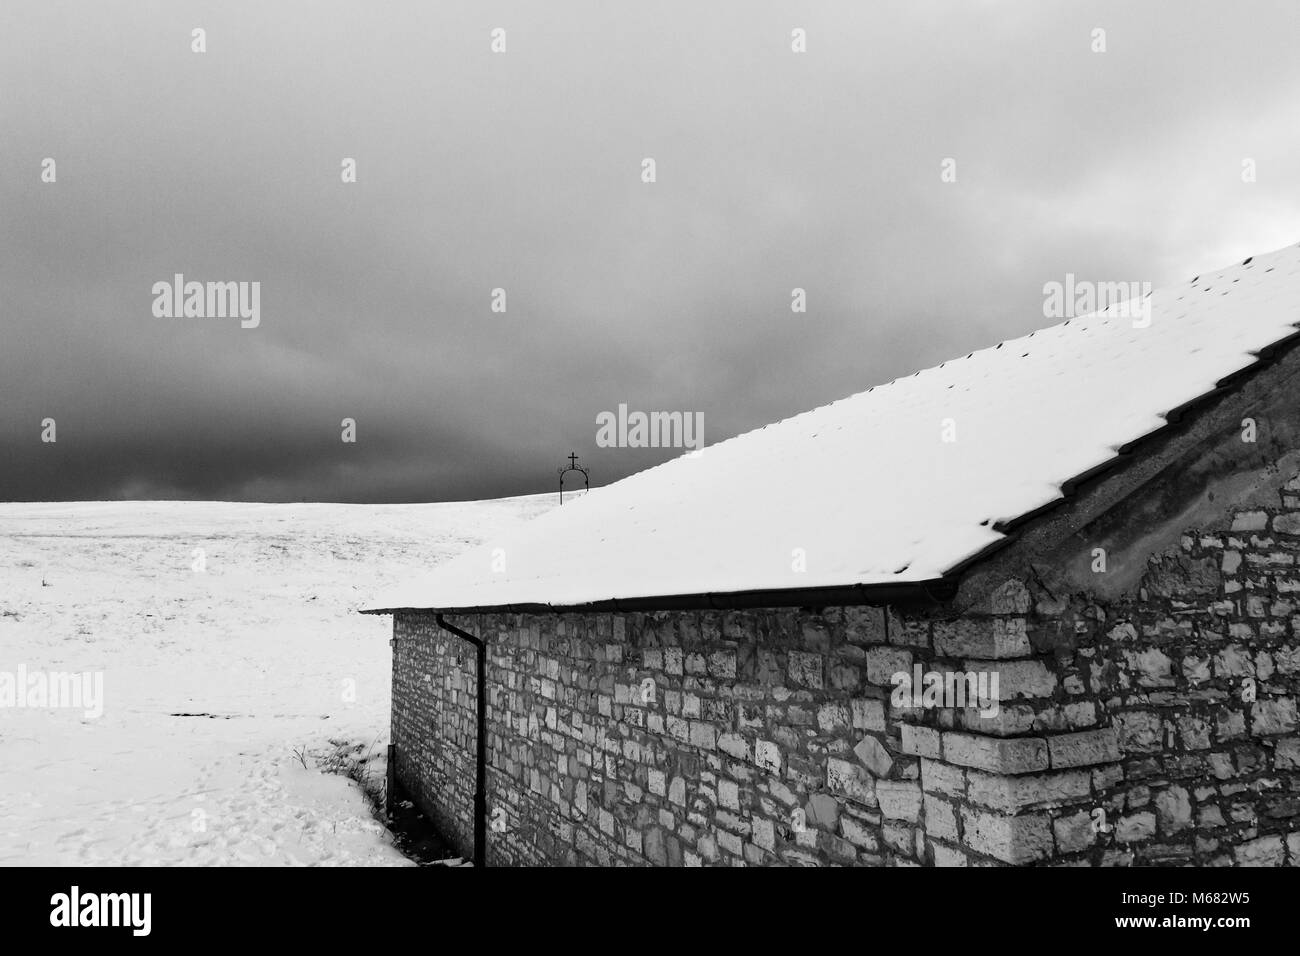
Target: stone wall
[1159,727]
[433,726]
[674,738]
[1195,678]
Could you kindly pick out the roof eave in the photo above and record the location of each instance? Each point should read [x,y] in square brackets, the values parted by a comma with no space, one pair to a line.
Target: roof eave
[932,591]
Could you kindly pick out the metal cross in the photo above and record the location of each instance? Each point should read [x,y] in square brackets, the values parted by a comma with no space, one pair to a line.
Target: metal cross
[574,466]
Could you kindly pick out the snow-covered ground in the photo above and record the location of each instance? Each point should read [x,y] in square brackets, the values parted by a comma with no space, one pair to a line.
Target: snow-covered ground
[243,612]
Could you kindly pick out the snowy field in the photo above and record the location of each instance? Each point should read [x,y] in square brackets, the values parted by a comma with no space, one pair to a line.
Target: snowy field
[244,614]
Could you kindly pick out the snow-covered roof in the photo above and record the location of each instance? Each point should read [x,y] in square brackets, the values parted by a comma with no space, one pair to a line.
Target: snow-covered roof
[866,490]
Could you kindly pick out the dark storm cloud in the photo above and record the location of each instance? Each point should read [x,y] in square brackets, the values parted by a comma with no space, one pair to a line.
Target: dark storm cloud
[521,171]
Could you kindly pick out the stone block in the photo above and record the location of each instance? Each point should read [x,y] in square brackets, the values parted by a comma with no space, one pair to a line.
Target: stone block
[1016,840]
[1084,748]
[873,755]
[918,741]
[899,799]
[996,754]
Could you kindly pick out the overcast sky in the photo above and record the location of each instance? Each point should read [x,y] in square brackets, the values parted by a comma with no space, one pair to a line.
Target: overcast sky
[522,170]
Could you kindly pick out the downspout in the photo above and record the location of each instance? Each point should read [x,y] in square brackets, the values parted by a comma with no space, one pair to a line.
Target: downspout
[480,758]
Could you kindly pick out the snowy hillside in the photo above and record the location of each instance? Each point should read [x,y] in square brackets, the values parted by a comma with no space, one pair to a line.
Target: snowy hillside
[241,613]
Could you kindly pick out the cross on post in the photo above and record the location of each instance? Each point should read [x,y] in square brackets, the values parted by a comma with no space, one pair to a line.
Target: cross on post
[574,466]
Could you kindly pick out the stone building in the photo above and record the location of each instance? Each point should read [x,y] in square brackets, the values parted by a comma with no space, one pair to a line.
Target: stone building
[1039,605]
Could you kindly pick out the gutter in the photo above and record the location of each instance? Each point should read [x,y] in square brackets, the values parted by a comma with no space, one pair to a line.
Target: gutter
[480,757]
[932,590]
